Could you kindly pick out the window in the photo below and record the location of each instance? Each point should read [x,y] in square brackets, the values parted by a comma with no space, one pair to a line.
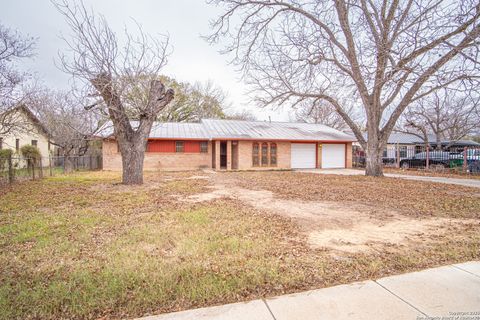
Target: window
[273,154]
[203,146]
[264,154]
[255,151]
[403,151]
[1,143]
[179,146]
[17,145]
[34,143]
[385,152]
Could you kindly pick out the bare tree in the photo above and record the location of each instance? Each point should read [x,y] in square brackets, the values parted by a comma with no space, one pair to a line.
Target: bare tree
[70,126]
[13,48]
[387,53]
[125,77]
[320,112]
[445,115]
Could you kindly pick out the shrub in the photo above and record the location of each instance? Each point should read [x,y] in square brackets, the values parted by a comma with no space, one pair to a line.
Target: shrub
[5,153]
[30,152]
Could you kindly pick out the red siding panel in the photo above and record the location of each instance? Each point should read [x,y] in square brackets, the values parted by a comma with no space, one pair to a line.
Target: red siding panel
[192,146]
[161,146]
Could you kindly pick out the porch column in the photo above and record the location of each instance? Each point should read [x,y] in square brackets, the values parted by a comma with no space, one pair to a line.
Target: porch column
[217,155]
[229,155]
[319,155]
[348,155]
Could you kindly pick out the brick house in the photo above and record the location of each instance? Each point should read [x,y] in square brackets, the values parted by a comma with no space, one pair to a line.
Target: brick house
[236,145]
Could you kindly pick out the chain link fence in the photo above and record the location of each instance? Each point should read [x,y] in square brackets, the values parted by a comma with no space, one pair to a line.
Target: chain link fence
[463,160]
[16,168]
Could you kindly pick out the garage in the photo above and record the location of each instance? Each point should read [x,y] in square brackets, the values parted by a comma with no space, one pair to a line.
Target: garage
[303,155]
[333,156]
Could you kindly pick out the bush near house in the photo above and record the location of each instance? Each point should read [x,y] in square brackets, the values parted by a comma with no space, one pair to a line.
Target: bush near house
[30,152]
[4,155]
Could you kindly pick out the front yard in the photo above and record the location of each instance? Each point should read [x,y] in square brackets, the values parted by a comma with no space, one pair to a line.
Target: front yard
[84,246]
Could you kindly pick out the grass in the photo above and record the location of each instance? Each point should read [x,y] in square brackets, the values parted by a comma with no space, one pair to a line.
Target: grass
[81,246]
[448,173]
[414,198]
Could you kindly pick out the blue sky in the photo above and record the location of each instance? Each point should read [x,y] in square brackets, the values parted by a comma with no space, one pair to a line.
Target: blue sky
[193,59]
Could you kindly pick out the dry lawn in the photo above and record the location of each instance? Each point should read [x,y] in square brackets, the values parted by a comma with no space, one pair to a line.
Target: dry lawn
[83,246]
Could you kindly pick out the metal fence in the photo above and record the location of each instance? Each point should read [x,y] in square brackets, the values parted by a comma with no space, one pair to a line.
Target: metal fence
[465,160]
[16,168]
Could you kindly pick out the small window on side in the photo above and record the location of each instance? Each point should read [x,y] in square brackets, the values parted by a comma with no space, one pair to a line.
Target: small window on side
[179,146]
[1,143]
[34,143]
[203,146]
[17,145]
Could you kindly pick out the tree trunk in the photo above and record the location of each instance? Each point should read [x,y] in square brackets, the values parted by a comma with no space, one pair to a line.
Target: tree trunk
[67,164]
[374,163]
[133,154]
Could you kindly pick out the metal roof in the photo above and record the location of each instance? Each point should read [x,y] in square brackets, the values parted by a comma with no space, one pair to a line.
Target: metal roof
[459,143]
[406,138]
[403,138]
[238,129]
[165,130]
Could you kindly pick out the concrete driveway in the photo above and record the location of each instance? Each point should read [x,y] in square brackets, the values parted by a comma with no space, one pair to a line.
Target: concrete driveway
[349,172]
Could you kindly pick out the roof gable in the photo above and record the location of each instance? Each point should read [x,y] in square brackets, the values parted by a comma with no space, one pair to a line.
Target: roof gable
[32,119]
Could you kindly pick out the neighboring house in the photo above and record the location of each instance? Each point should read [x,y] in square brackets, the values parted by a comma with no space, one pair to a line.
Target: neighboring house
[29,131]
[408,144]
[236,145]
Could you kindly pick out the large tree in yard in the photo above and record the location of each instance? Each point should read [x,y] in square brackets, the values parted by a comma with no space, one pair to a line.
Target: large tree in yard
[381,54]
[123,73]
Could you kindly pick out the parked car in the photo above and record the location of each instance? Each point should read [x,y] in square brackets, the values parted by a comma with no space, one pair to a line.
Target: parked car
[473,160]
[435,158]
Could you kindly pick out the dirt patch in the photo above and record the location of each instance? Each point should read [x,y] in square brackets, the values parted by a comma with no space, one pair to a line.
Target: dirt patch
[344,226]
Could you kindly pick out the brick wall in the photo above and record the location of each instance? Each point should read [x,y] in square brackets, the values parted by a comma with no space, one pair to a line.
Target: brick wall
[158,160]
[193,161]
[349,155]
[245,156]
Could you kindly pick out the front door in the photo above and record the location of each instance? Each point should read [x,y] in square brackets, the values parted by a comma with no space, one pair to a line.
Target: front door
[223,155]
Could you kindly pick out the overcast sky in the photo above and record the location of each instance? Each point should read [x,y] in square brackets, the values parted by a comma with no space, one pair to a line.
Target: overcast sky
[193,59]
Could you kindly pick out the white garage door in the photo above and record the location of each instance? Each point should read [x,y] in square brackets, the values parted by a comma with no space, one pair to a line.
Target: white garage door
[303,155]
[333,156]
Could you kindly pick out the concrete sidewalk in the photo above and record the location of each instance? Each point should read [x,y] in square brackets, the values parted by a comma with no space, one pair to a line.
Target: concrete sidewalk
[354,172]
[452,292]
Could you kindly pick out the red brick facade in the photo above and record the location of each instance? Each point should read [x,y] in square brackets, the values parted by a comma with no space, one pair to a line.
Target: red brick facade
[163,155]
